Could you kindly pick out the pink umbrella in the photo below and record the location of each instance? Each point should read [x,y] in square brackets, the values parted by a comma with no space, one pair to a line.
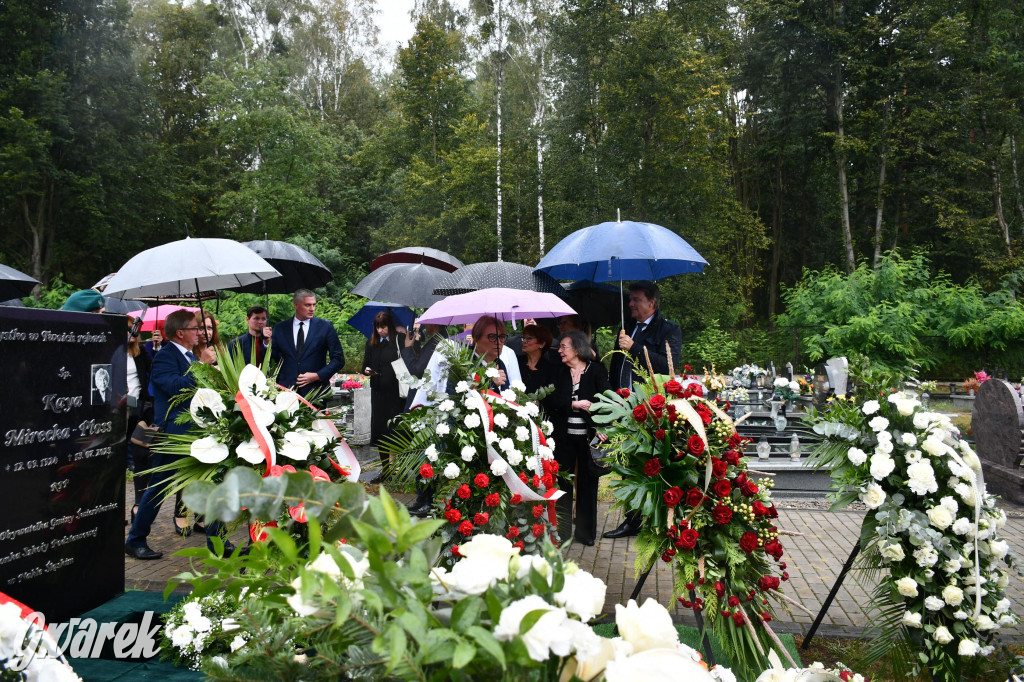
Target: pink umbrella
[157,314]
[505,304]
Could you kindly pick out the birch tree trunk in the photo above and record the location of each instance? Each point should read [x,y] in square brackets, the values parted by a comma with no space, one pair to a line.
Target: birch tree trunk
[879,208]
[997,198]
[844,192]
[501,66]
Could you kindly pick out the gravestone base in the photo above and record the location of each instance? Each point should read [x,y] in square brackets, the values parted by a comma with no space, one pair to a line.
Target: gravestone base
[1003,481]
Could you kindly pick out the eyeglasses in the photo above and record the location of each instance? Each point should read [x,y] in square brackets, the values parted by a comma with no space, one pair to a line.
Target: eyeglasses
[190,329]
[494,338]
[565,347]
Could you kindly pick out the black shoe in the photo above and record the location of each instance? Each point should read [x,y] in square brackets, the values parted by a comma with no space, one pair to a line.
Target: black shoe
[422,511]
[144,553]
[585,543]
[624,530]
[198,527]
[183,531]
[377,479]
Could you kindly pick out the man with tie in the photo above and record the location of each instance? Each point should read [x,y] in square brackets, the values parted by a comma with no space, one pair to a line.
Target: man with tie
[306,346]
[257,339]
[168,378]
[648,331]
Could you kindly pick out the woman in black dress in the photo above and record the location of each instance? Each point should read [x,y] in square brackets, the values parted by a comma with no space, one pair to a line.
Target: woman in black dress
[535,366]
[580,379]
[383,348]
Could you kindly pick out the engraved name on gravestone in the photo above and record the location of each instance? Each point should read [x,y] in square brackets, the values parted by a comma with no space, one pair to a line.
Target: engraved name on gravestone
[62,458]
[996,421]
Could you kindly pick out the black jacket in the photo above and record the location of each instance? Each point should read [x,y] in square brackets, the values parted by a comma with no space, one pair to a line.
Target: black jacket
[593,382]
[652,338]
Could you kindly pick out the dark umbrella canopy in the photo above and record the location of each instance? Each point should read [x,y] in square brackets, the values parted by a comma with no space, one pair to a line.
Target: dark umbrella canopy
[299,268]
[410,284]
[601,303]
[363,319]
[117,306]
[497,274]
[15,283]
[419,254]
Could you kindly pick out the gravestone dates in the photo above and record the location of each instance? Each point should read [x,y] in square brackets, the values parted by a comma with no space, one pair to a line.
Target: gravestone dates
[62,458]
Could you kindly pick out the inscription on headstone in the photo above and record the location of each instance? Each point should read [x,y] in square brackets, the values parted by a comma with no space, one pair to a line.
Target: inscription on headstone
[62,458]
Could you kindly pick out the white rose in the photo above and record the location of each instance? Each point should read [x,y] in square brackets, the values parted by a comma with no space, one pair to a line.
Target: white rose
[206,397]
[963,526]
[182,636]
[299,606]
[985,623]
[909,439]
[501,420]
[472,420]
[940,517]
[881,466]
[509,395]
[646,627]
[287,402]
[961,615]
[998,548]
[911,619]
[506,445]
[523,564]
[442,429]
[485,561]
[934,446]
[468,453]
[250,451]
[933,603]
[451,471]
[296,446]
[514,458]
[968,647]
[942,635]
[951,566]
[884,447]
[922,478]
[532,410]
[431,453]
[922,420]
[870,407]
[907,587]
[965,492]
[952,595]
[522,433]
[873,496]
[548,635]
[950,504]
[879,423]
[1002,606]
[884,437]
[499,467]
[893,552]
[780,382]
[461,387]
[905,406]
[491,373]
[857,456]
[582,595]
[658,664]
[446,405]
[518,385]
[208,451]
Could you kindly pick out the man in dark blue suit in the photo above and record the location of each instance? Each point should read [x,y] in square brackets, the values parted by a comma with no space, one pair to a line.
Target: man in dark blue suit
[306,346]
[256,339]
[169,376]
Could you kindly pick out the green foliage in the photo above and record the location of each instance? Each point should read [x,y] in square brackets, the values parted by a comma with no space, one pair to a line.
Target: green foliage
[713,346]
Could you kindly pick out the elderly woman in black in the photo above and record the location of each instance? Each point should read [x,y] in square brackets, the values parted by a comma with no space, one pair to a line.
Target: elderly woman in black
[535,366]
[383,348]
[580,379]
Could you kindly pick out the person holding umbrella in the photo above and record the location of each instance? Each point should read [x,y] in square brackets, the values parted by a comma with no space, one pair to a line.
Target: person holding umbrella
[383,348]
[646,337]
[255,341]
[306,346]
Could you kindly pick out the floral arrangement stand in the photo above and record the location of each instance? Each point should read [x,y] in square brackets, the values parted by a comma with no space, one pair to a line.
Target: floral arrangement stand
[831,597]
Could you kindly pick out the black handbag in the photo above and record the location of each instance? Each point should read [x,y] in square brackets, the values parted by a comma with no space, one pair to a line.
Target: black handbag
[597,463]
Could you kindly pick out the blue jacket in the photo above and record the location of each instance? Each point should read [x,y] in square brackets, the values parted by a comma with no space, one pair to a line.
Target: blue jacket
[169,378]
[321,353]
[245,342]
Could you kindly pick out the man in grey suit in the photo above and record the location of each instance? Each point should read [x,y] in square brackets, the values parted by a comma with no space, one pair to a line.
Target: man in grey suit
[307,347]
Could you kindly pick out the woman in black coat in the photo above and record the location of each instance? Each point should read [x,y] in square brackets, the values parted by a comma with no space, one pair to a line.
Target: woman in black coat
[383,348]
[580,379]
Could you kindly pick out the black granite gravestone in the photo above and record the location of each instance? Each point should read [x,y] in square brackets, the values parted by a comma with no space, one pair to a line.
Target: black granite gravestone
[996,421]
[62,458]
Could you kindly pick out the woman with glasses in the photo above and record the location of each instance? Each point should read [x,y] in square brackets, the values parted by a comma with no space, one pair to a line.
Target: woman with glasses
[535,367]
[580,379]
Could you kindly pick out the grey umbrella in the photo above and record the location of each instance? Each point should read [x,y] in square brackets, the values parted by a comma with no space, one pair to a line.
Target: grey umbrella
[497,274]
[15,283]
[410,284]
[299,268]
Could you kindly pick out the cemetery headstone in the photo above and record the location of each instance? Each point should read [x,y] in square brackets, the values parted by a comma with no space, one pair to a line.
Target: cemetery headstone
[838,371]
[996,421]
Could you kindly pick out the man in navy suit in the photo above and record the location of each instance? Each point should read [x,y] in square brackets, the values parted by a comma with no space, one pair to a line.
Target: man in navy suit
[256,339]
[169,376]
[306,346]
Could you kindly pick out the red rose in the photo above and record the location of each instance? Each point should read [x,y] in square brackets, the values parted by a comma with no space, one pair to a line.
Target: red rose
[536,481]
[773,513]
[722,488]
[688,539]
[516,499]
[687,369]
[524,478]
[673,496]
[657,401]
[538,530]
[721,514]
[659,434]
[492,500]
[718,467]
[673,387]
[732,457]
[466,528]
[695,444]
[738,618]
[519,545]
[759,508]
[846,676]
[481,480]
[719,589]
[427,471]
[748,543]
[768,582]
[652,467]
[734,601]
[741,478]
[697,390]
[640,413]
[774,548]
[453,515]
[694,497]
[624,392]
[481,518]
[512,533]
[455,550]
[749,488]
[548,480]
[550,466]
[538,511]
[672,413]
[464,491]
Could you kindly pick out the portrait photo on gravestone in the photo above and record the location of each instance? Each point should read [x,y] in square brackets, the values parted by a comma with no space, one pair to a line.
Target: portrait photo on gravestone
[62,458]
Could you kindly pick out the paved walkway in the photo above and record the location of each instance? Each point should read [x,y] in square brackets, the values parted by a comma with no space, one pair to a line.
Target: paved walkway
[813,560]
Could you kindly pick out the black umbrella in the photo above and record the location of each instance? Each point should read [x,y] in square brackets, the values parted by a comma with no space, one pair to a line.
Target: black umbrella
[602,303]
[418,254]
[409,284]
[299,268]
[15,283]
[118,306]
[497,274]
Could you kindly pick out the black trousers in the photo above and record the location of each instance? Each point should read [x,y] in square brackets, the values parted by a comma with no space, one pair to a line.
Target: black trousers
[573,456]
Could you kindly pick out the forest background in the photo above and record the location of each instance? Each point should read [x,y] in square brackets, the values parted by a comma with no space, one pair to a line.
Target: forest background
[851,170]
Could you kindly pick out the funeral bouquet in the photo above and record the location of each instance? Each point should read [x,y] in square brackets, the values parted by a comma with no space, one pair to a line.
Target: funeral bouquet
[932,530]
[202,627]
[488,454]
[366,601]
[680,465]
[27,649]
[240,418]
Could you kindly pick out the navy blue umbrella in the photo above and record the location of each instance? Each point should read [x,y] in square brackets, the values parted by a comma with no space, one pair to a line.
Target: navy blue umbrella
[363,320]
[621,250]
